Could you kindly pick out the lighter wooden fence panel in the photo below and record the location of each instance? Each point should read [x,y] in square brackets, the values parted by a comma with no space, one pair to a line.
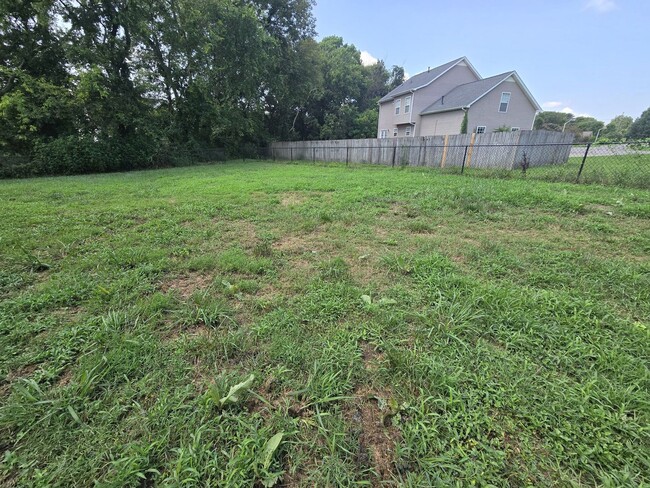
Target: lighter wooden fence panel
[502,150]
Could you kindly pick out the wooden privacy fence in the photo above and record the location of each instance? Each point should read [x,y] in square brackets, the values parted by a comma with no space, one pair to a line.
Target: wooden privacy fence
[503,150]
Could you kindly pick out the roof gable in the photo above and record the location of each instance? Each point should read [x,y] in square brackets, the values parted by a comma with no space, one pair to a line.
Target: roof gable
[426,78]
[463,96]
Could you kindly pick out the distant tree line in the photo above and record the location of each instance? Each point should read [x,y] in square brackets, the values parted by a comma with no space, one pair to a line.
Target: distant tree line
[620,128]
[104,85]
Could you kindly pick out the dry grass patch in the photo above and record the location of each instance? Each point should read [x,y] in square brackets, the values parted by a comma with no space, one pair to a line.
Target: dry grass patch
[241,232]
[290,199]
[186,285]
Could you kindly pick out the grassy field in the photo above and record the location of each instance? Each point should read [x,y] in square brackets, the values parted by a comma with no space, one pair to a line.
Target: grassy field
[314,325]
[631,170]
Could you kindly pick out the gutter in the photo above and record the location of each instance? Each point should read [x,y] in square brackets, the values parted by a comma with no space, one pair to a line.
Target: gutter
[452,109]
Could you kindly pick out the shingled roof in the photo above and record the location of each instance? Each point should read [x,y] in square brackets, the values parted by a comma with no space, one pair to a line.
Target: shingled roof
[422,79]
[465,95]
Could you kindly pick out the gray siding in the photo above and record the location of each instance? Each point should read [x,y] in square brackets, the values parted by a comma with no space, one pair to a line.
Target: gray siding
[422,98]
[458,75]
[441,123]
[521,112]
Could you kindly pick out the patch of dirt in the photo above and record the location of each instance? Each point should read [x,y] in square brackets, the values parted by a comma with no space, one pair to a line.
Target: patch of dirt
[301,243]
[269,294]
[13,376]
[460,259]
[241,232]
[401,210]
[381,233]
[366,269]
[377,436]
[397,208]
[371,356]
[596,207]
[290,199]
[291,244]
[22,372]
[370,416]
[195,331]
[185,285]
[64,379]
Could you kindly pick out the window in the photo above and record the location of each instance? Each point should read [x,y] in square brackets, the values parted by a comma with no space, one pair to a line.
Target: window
[407,131]
[383,134]
[398,104]
[514,129]
[395,132]
[407,105]
[505,101]
[480,129]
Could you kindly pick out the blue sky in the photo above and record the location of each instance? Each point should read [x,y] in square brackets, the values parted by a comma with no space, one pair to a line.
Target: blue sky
[590,57]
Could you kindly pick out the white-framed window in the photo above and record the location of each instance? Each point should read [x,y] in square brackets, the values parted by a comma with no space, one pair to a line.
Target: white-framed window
[383,134]
[407,104]
[514,129]
[398,105]
[505,101]
[395,132]
[480,129]
[408,130]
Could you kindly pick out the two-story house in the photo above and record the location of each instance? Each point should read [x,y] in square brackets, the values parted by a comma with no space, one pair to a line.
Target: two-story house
[436,102]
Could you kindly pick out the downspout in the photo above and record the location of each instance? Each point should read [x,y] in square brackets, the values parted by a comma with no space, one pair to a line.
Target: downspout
[411,112]
[534,119]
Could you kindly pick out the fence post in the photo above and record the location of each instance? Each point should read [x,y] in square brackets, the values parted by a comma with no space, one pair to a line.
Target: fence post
[313,154]
[582,165]
[291,152]
[273,153]
[444,152]
[347,154]
[394,154]
[462,168]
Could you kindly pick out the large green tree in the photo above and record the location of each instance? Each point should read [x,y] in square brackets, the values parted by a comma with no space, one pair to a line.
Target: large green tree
[89,85]
[34,84]
[640,128]
[345,98]
[618,127]
[550,120]
[588,124]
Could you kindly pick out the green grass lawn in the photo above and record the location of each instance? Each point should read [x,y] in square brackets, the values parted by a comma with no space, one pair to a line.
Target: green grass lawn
[402,327]
[632,170]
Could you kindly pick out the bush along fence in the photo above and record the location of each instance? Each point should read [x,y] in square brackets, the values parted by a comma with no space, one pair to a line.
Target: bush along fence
[544,155]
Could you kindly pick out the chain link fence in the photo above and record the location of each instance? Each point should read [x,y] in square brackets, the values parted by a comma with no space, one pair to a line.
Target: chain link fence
[619,164]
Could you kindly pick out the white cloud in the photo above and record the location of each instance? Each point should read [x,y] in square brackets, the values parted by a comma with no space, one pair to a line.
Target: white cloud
[569,110]
[550,105]
[368,59]
[601,6]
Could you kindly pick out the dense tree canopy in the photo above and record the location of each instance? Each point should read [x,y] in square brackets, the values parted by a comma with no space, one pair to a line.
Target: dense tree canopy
[618,127]
[640,128]
[550,120]
[99,85]
[558,121]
